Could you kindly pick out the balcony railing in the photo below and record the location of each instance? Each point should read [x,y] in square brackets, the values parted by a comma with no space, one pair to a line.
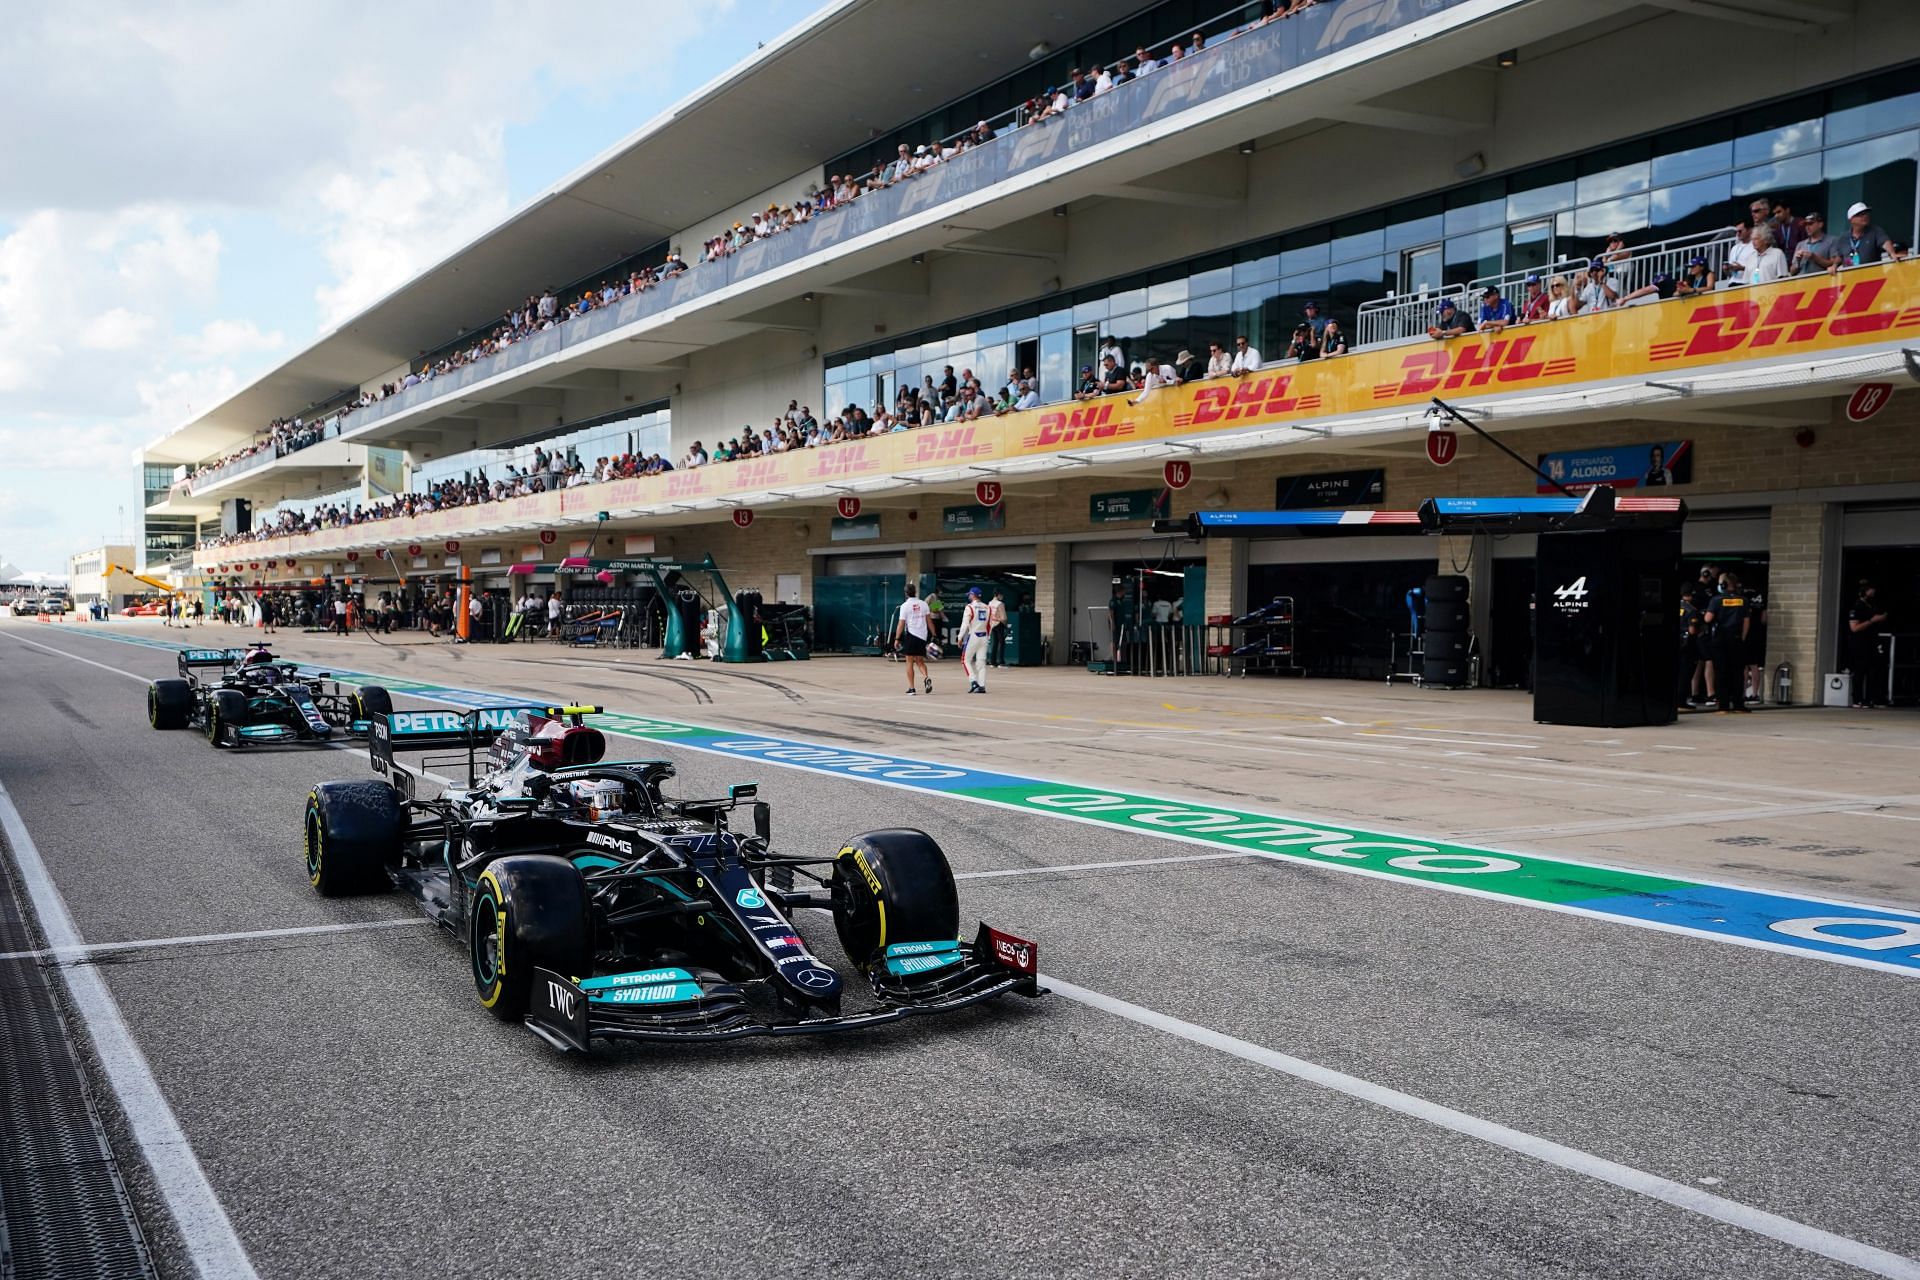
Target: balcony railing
[1806,316]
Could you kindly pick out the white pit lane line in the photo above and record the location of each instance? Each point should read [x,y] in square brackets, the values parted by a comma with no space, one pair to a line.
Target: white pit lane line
[1840,1248]
[1799,1235]
[205,1231]
[88,950]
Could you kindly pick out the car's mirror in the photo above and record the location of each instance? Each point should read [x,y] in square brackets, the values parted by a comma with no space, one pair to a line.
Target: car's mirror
[743,790]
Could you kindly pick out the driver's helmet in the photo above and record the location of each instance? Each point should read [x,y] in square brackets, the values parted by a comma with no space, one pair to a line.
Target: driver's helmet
[257,656]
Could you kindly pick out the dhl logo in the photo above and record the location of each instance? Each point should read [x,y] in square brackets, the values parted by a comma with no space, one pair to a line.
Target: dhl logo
[1841,311]
[686,484]
[947,446]
[1471,364]
[750,475]
[1077,427]
[1251,397]
[843,460]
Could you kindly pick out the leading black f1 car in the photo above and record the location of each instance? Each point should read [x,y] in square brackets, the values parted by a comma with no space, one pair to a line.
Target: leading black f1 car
[592,905]
[253,698]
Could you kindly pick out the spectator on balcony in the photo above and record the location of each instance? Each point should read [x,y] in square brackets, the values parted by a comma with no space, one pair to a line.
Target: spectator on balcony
[1143,63]
[1029,398]
[1313,319]
[1332,341]
[1113,378]
[1219,363]
[1110,346]
[1696,279]
[1102,80]
[901,167]
[1451,322]
[1819,251]
[548,304]
[1663,287]
[1601,291]
[1865,241]
[1079,87]
[1246,357]
[1196,43]
[1187,368]
[1533,307]
[949,385]
[1769,264]
[1302,347]
[1496,313]
[1158,375]
[1741,257]
[1616,251]
[981,135]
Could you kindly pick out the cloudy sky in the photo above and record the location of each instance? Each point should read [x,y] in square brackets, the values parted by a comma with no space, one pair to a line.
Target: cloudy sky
[195,190]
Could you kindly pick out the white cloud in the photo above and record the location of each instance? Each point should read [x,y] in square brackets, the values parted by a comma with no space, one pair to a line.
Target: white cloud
[220,339]
[115,330]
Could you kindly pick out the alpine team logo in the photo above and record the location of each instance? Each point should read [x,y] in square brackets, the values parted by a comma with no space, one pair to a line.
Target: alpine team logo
[1573,596]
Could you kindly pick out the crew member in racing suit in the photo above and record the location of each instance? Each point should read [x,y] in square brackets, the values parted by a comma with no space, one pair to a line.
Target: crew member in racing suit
[976,629]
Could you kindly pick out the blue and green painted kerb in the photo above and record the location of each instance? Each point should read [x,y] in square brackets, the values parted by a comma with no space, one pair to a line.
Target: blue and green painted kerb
[1874,936]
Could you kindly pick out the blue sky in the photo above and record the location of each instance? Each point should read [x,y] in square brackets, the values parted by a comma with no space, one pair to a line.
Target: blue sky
[154,260]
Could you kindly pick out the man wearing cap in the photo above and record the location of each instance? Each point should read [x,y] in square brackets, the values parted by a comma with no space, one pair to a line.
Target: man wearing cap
[1600,291]
[1534,307]
[1315,322]
[976,628]
[1864,242]
[1819,251]
[1089,386]
[1450,323]
[1496,313]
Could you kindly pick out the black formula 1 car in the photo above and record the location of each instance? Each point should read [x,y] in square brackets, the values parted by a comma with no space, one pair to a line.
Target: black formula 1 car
[593,905]
[253,698]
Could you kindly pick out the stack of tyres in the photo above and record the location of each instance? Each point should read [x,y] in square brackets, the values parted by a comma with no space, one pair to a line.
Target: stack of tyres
[1447,632]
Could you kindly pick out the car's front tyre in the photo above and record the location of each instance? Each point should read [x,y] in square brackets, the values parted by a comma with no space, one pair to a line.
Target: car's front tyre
[892,886]
[527,910]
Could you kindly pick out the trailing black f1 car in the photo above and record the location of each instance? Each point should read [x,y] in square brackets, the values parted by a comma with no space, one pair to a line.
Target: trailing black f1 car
[254,698]
[592,905]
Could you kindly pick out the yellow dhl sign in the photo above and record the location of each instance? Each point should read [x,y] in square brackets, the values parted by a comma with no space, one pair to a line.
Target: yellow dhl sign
[1805,316]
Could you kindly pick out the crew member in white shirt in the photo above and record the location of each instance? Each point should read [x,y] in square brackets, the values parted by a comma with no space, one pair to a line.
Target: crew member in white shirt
[911,631]
[976,628]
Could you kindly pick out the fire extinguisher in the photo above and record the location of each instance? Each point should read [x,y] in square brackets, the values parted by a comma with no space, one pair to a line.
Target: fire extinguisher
[1783,684]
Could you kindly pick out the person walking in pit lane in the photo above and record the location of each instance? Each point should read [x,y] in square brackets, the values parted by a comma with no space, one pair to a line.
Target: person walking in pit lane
[910,635]
[976,629]
[997,617]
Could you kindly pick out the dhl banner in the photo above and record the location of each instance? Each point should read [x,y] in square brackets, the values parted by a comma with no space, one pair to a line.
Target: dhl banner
[1807,316]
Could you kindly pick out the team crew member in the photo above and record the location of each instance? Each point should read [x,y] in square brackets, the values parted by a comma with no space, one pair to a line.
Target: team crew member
[976,627]
[1701,692]
[997,615]
[1728,619]
[1863,647]
[910,636]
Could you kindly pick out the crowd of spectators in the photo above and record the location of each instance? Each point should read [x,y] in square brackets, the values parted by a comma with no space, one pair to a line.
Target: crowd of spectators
[540,312]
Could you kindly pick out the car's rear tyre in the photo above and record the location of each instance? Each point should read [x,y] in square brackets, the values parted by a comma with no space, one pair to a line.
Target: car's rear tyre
[892,886]
[370,700]
[226,709]
[354,832]
[528,910]
[169,704]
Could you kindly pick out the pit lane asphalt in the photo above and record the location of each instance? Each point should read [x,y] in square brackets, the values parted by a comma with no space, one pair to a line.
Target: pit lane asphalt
[358,1114]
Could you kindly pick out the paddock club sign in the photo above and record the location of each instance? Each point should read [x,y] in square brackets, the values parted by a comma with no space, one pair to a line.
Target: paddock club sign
[1876,304]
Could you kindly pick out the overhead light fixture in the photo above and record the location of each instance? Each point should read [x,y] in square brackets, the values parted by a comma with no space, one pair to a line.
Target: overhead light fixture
[1059,211]
[1510,58]
[1246,148]
[1473,166]
[807,296]
[1038,51]
[919,259]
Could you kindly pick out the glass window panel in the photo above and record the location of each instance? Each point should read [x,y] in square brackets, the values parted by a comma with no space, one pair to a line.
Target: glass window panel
[1763,145]
[1693,162]
[882,363]
[1166,331]
[1201,283]
[959,342]
[961,362]
[1056,353]
[1536,201]
[1624,216]
[994,364]
[1310,257]
[1692,206]
[1359,246]
[1209,319]
[1415,231]
[993,335]
[1473,217]
[1771,179]
[1127,300]
[1167,292]
[858,369]
[1470,257]
[1256,270]
[1060,318]
[1848,123]
[1306,284]
[1090,312]
[1621,181]
[1881,173]
[1023,330]
[1130,329]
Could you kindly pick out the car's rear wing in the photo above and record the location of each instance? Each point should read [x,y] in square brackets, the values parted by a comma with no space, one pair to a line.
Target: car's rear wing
[465,733]
[192,660]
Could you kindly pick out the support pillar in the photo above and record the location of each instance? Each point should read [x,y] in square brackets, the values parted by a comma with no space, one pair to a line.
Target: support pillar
[1803,594]
[1052,595]
[1227,560]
